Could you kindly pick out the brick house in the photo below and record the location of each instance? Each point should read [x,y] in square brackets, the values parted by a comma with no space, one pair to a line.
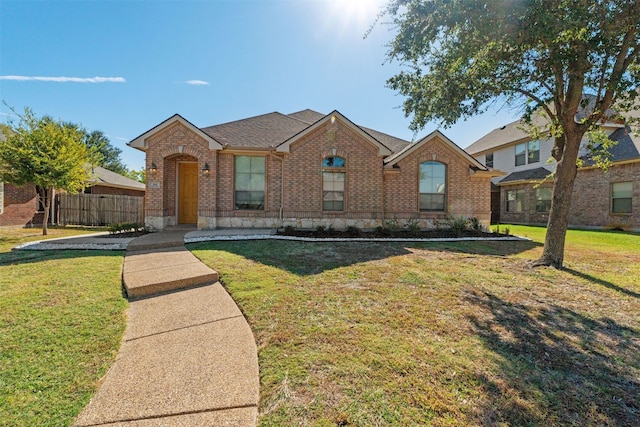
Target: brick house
[600,199]
[305,169]
[105,181]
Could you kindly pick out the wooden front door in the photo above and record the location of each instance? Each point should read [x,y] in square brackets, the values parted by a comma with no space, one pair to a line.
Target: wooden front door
[187,193]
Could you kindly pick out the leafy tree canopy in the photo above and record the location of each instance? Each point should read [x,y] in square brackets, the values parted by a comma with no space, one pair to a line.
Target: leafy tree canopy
[464,56]
[461,57]
[138,175]
[107,155]
[48,153]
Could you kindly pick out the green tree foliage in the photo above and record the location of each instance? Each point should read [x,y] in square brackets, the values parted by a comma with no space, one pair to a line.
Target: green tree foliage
[48,153]
[138,175]
[107,155]
[461,57]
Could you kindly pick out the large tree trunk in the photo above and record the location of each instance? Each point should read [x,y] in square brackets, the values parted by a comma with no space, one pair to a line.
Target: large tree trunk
[553,252]
[46,198]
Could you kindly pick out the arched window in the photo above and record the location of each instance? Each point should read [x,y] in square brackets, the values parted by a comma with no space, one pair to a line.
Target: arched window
[433,187]
[333,177]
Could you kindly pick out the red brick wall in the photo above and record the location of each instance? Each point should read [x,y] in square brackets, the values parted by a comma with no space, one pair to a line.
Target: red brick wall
[20,204]
[303,170]
[174,144]
[467,195]
[294,179]
[528,214]
[225,181]
[590,200]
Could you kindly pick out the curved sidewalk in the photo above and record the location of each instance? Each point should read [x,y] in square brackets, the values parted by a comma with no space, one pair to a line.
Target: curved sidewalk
[188,357]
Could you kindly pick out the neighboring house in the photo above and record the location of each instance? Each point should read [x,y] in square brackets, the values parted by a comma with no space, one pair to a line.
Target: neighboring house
[18,205]
[305,169]
[21,205]
[600,199]
[105,181]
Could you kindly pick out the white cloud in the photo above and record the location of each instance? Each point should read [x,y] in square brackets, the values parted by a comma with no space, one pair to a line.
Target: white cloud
[66,79]
[197,82]
[118,137]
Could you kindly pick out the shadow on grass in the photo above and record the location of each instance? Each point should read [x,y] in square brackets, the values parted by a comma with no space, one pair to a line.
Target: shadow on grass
[25,257]
[601,282]
[556,366]
[308,258]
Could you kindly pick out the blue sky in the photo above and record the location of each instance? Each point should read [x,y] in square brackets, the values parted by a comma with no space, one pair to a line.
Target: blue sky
[210,61]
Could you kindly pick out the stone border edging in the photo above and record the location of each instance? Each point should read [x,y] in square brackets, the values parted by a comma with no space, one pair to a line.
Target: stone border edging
[43,245]
[348,239]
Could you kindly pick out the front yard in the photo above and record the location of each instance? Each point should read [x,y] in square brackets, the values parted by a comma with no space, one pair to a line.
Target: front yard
[359,333]
[62,316]
[441,334]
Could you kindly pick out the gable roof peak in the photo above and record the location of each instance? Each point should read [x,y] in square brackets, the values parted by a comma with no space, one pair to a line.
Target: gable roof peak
[383,150]
[391,161]
[140,142]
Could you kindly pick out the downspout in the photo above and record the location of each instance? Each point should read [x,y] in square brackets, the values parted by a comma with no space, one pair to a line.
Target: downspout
[281,210]
[384,195]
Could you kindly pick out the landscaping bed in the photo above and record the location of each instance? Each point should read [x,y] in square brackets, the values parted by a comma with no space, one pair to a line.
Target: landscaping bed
[387,233]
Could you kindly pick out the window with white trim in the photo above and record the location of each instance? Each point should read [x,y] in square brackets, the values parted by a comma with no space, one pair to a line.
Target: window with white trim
[249,182]
[543,199]
[621,197]
[515,200]
[527,153]
[333,183]
[433,188]
[488,160]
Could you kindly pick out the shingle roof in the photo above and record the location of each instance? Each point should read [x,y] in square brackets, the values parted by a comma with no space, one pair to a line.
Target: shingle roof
[503,135]
[270,130]
[264,131]
[628,146]
[393,143]
[307,116]
[536,174]
[107,178]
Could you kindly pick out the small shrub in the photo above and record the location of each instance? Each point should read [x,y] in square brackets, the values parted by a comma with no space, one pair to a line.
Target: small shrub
[496,229]
[475,224]
[115,228]
[392,224]
[289,230]
[507,231]
[352,231]
[413,226]
[321,229]
[457,225]
[381,231]
[440,224]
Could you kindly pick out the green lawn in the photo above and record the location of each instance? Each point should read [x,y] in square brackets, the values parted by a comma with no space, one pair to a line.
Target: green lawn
[441,334]
[62,317]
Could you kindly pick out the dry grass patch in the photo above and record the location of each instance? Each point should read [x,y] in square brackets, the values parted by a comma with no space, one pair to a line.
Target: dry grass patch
[440,334]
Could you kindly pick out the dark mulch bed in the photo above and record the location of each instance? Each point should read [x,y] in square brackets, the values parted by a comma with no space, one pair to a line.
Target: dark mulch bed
[387,233]
[127,234]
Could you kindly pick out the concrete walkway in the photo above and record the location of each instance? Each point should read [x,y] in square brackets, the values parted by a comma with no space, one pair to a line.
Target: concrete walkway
[188,357]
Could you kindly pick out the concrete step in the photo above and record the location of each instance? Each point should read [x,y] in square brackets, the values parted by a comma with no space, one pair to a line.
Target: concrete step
[165,239]
[151,272]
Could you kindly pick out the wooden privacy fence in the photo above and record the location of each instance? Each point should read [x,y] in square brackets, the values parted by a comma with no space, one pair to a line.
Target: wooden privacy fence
[99,209]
